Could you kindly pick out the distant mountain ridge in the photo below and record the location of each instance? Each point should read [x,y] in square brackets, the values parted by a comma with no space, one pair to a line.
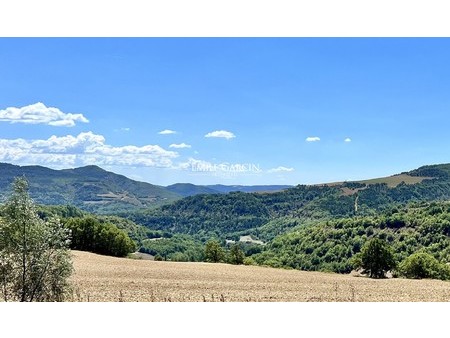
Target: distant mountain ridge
[90,188]
[94,189]
[188,189]
[249,188]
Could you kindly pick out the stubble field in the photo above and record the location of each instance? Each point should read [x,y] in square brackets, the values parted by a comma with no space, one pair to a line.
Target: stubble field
[107,279]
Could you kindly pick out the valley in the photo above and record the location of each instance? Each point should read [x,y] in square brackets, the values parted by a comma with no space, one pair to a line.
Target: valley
[296,243]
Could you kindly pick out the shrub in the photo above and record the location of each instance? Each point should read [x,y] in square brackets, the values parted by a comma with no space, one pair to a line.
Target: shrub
[249,261]
[159,258]
[423,265]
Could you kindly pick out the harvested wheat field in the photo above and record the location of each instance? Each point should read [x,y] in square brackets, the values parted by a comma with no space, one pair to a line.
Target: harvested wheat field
[101,278]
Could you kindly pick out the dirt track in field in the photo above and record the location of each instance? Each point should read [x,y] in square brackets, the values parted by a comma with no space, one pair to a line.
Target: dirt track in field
[102,278]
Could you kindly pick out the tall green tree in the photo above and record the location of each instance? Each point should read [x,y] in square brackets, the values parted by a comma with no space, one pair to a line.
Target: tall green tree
[376,258]
[236,255]
[214,252]
[35,261]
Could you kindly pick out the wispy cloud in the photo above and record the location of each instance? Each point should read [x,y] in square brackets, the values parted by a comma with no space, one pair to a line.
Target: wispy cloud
[280,169]
[180,146]
[167,132]
[348,139]
[39,113]
[125,129]
[221,133]
[85,148]
[313,139]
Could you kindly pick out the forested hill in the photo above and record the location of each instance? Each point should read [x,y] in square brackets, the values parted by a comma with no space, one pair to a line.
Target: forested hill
[239,213]
[94,189]
[188,189]
[248,188]
[90,188]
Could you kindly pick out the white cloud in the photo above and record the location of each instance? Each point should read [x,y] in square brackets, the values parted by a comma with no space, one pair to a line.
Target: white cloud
[125,129]
[280,169]
[221,133]
[167,132]
[38,113]
[348,139]
[180,146]
[312,139]
[85,148]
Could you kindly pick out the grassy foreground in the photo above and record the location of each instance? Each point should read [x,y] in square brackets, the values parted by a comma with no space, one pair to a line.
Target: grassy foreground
[103,278]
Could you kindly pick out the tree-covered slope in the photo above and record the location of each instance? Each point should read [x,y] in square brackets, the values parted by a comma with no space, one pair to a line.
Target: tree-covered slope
[330,245]
[238,213]
[188,189]
[224,189]
[90,188]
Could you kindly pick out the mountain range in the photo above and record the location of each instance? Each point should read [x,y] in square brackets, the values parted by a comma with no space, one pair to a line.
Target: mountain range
[188,189]
[308,227]
[94,189]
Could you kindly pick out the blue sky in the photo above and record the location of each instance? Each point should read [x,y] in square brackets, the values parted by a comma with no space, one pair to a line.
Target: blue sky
[243,111]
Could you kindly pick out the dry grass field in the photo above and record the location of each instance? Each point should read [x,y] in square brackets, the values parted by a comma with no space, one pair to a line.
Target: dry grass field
[108,279]
[391,181]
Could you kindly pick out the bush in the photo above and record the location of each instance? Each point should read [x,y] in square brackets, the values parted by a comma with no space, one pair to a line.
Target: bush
[249,261]
[423,265]
[177,248]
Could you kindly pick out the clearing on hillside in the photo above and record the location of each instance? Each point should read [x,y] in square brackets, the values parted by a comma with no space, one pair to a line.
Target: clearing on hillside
[102,278]
[391,181]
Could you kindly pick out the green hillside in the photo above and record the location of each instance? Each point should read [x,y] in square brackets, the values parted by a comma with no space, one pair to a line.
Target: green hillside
[89,188]
[237,213]
[94,189]
[330,245]
[224,189]
[320,227]
[308,227]
[188,189]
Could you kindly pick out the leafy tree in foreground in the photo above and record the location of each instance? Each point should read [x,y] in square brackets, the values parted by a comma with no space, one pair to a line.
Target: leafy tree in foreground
[214,252]
[376,258]
[34,258]
[236,255]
